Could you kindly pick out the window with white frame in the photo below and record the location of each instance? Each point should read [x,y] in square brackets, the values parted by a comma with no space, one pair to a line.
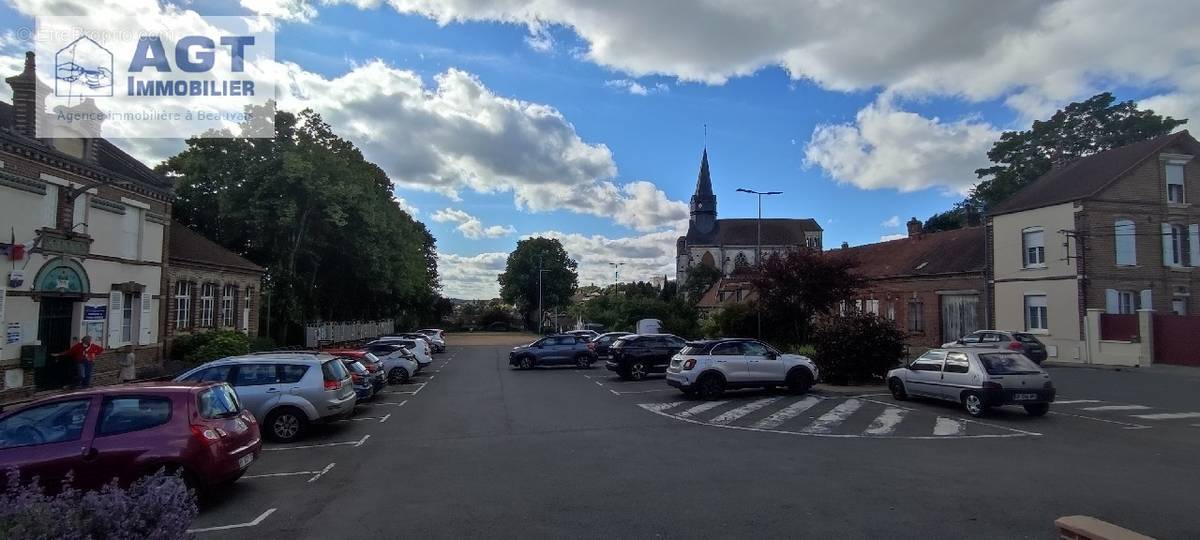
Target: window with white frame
[1179,305]
[890,313]
[1125,240]
[183,304]
[1175,186]
[208,294]
[1179,245]
[1035,312]
[1126,302]
[227,295]
[871,306]
[127,317]
[1033,244]
[916,319]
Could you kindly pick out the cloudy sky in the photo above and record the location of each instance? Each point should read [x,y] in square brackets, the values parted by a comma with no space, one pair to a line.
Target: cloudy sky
[584,119]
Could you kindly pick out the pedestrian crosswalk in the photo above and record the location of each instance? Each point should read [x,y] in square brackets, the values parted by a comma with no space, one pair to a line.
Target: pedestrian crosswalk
[830,417]
[1128,411]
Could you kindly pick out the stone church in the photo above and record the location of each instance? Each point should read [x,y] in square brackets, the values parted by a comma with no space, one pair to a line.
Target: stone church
[728,244]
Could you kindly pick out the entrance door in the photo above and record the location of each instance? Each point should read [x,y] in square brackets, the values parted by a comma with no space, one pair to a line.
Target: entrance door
[960,315]
[54,330]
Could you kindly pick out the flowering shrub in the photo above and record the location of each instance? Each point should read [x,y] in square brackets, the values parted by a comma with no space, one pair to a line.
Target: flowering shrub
[158,507]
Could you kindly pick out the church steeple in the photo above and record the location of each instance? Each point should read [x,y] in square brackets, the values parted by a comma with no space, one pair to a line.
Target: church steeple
[704,203]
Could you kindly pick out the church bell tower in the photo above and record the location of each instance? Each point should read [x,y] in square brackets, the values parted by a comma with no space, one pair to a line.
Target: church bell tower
[704,204]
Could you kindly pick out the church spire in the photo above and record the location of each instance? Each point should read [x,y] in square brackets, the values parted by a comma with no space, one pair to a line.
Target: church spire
[704,202]
[703,182]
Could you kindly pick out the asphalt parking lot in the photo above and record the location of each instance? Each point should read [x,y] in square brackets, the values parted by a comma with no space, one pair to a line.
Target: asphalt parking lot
[474,449]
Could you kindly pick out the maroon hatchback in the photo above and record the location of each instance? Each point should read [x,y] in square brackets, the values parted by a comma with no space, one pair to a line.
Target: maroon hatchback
[130,431]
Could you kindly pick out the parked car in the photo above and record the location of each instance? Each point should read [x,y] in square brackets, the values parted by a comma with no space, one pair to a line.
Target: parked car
[376,372]
[558,350]
[398,362]
[649,326]
[360,378]
[1003,339]
[288,390]
[419,347]
[637,355]
[600,344]
[433,348]
[586,335]
[131,431]
[437,336]
[977,378]
[708,368]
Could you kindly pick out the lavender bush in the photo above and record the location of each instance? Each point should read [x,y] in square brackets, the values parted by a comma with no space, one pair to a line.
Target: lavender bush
[158,507]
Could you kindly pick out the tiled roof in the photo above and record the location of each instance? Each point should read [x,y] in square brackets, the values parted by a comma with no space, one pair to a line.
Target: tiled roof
[727,284]
[947,252]
[743,231]
[1085,177]
[190,246]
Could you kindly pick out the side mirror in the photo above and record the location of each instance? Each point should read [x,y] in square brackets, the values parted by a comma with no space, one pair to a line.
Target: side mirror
[960,342]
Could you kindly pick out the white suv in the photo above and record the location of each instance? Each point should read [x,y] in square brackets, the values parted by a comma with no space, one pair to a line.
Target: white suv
[707,368]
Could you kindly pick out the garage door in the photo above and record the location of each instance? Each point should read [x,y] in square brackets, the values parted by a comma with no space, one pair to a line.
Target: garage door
[960,315]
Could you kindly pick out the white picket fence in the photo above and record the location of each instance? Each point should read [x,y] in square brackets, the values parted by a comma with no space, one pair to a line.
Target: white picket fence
[325,333]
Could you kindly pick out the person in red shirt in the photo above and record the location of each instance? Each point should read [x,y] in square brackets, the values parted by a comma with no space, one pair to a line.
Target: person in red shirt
[84,354]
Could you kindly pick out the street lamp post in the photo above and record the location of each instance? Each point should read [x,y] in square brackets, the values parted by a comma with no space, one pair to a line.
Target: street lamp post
[758,243]
[616,271]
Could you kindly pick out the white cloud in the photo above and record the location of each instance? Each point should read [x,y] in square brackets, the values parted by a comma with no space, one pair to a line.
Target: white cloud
[644,256]
[636,88]
[288,10]
[890,237]
[471,276]
[893,221]
[405,205]
[470,226]
[540,39]
[889,148]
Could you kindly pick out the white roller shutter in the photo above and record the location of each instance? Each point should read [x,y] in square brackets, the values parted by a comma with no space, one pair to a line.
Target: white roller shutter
[1112,301]
[1168,252]
[114,318]
[145,321]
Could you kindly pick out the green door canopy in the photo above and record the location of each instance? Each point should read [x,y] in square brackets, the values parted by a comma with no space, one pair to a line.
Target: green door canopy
[62,276]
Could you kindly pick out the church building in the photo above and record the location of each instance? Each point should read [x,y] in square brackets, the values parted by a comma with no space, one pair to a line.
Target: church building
[728,244]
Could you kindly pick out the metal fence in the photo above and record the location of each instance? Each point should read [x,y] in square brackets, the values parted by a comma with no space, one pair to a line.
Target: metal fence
[326,333]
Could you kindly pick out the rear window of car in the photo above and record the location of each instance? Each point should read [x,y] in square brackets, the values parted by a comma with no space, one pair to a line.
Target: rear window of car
[123,414]
[218,402]
[693,348]
[1026,338]
[1008,364]
[334,370]
[371,358]
[212,374]
[291,373]
[356,367]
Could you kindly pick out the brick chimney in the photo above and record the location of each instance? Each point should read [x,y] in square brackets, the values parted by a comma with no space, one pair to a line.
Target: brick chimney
[29,98]
[845,245]
[914,228]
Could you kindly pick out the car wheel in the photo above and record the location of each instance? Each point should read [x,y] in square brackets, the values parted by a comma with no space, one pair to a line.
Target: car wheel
[799,381]
[710,387]
[637,371]
[583,362]
[525,363]
[897,388]
[285,425]
[1037,409]
[974,404]
[398,375]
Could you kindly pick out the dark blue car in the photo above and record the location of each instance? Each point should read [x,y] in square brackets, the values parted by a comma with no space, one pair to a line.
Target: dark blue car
[560,350]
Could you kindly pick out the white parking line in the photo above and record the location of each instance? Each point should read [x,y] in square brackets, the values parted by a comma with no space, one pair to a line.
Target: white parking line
[787,413]
[321,473]
[1117,408]
[835,416]
[359,419]
[398,404]
[279,474]
[734,414]
[254,523]
[1167,416]
[642,391]
[355,444]
[886,422]
[598,383]
[1106,421]
[385,417]
[949,427]
[1075,401]
[659,407]
[700,408]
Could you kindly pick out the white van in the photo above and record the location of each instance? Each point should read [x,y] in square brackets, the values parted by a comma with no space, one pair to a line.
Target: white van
[649,326]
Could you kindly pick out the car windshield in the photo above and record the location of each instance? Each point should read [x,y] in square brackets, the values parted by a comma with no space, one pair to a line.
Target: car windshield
[1008,364]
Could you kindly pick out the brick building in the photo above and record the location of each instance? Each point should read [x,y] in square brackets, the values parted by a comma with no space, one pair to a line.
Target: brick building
[209,287]
[85,248]
[1116,231]
[931,284]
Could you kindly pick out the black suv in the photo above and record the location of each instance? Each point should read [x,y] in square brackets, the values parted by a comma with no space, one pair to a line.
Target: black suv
[634,357]
[601,344]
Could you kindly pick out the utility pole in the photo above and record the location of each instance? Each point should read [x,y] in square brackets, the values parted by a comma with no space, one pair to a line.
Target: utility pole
[758,244]
[541,314]
[616,271]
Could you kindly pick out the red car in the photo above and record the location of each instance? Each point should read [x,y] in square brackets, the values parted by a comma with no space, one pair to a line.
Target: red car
[373,364]
[130,431]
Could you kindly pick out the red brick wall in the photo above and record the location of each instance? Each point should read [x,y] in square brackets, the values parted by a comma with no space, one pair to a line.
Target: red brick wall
[197,276]
[902,291]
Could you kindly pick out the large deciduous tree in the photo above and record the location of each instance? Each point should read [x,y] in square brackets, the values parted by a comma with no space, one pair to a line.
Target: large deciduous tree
[320,218]
[519,282]
[621,306]
[797,285]
[700,278]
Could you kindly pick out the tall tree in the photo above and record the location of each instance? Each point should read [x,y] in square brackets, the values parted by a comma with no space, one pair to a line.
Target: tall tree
[794,287]
[519,282]
[1078,130]
[699,279]
[320,218]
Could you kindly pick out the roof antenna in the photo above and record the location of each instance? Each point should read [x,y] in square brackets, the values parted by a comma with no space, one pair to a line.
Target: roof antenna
[706,135]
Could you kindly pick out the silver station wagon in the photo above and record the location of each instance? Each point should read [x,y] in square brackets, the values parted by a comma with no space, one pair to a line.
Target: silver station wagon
[978,379]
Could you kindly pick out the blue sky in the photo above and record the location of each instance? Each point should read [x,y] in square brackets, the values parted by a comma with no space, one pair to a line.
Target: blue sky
[588,120]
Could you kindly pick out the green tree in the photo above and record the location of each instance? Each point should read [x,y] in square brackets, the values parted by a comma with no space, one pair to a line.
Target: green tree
[620,306]
[699,279]
[794,287]
[519,282]
[1078,130]
[320,218]
[856,347]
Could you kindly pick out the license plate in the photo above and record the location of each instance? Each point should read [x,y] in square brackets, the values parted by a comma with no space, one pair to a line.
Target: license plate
[245,460]
[1025,397]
